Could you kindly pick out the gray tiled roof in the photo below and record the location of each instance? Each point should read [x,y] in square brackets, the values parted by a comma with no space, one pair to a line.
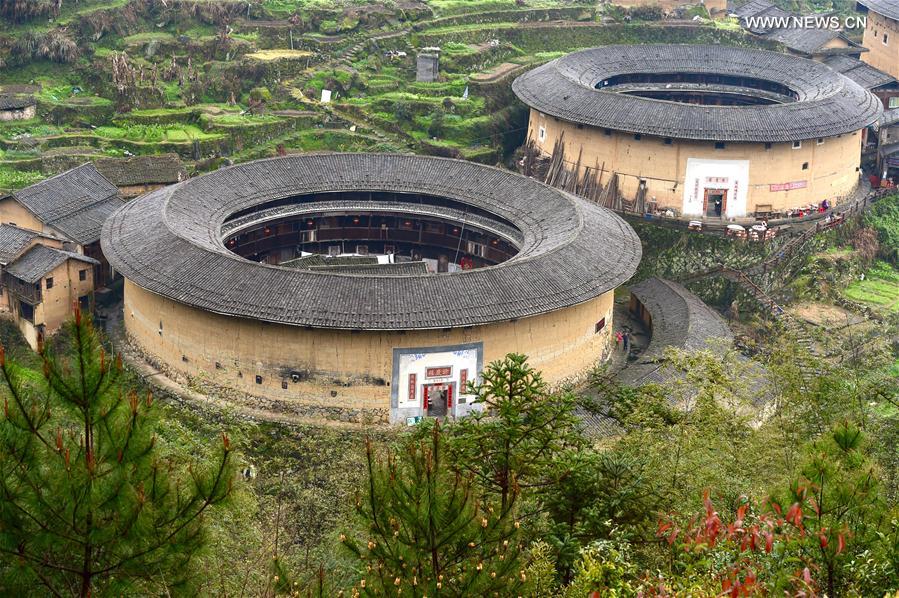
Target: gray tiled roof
[887,8]
[861,72]
[679,319]
[397,269]
[40,260]
[13,240]
[13,102]
[828,103]
[170,242]
[76,202]
[805,41]
[316,260]
[889,118]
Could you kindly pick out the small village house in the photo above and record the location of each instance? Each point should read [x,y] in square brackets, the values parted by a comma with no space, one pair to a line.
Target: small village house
[71,206]
[13,107]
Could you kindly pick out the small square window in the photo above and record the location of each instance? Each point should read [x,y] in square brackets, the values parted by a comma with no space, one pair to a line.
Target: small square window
[668,141]
[541,133]
[719,145]
[49,282]
[797,145]
[608,132]
[599,326]
[820,141]
[886,39]
[768,146]
[638,137]
[82,275]
[258,379]
[805,166]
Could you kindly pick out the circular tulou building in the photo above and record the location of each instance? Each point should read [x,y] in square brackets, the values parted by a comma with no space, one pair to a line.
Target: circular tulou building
[364,285]
[709,131]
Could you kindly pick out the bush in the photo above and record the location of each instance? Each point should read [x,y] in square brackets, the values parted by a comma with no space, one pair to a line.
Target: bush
[884,218]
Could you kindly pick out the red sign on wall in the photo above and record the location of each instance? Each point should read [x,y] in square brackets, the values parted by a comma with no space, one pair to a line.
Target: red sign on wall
[439,372]
[788,186]
[463,381]
[412,384]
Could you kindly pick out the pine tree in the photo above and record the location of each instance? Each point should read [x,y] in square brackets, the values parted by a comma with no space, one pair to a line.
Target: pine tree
[511,444]
[89,504]
[428,531]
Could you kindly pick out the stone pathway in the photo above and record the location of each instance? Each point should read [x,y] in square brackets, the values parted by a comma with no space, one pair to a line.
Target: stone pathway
[640,337]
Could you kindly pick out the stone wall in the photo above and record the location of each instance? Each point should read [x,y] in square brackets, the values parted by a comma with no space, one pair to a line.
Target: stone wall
[18,114]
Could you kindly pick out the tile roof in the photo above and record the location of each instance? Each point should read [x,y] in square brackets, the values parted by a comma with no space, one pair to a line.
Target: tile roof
[15,102]
[803,40]
[40,260]
[396,269]
[827,104]
[316,260]
[142,170]
[170,242]
[76,202]
[679,319]
[861,72]
[14,240]
[889,118]
[887,8]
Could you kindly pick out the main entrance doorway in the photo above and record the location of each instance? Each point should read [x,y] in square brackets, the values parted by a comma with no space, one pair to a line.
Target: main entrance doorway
[438,398]
[715,203]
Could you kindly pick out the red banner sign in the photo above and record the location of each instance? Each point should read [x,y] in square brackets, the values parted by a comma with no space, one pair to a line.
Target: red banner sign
[412,382]
[463,381]
[439,372]
[788,186]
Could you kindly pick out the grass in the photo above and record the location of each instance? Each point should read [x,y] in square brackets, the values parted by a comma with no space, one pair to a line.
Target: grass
[149,36]
[29,128]
[154,133]
[879,289]
[455,7]
[236,120]
[11,179]
[66,95]
[282,54]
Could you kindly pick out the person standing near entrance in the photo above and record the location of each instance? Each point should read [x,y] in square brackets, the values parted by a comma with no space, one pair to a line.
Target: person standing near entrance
[718,208]
[626,337]
[618,338]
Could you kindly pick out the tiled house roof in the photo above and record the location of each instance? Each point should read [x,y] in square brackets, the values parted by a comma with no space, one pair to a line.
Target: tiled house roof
[170,242]
[13,241]
[15,102]
[679,319]
[887,8]
[861,72]
[41,260]
[76,202]
[827,103]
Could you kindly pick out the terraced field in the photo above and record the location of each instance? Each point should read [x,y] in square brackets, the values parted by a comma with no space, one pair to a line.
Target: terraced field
[218,81]
[879,289]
